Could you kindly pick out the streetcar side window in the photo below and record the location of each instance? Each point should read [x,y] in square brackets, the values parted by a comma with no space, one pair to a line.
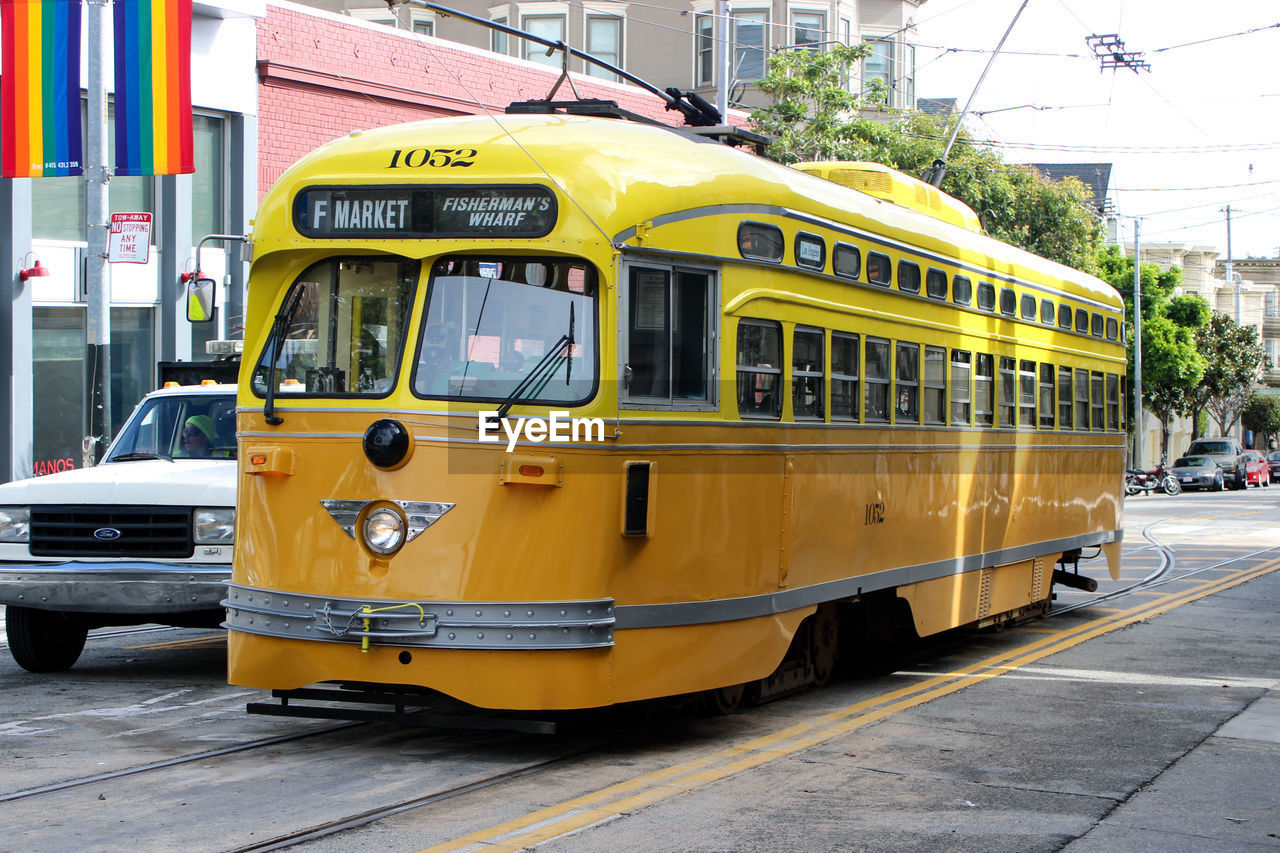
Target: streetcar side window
[1008,301]
[811,251]
[907,388]
[877,381]
[670,323]
[1096,401]
[987,296]
[1027,393]
[844,376]
[1113,329]
[983,380]
[1006,392]
[1064,398]
[1082,321]
[879,269]
[935,284]
[1082,399]
[1046,311]
[759,369]
[806,373]
[961,290]
[1095,325]
[760,241]
[961,362]
[1064,316]
[935,385]
[1113,401]
[846,261]
[908,277]
[1028,307]
[1046,396]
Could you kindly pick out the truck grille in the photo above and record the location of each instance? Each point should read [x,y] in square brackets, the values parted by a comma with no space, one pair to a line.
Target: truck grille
[86,531]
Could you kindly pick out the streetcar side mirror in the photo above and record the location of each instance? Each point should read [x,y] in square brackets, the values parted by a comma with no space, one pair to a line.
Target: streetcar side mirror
[200,293]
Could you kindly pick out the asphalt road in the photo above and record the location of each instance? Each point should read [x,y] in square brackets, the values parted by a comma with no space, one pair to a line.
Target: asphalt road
[1142,721]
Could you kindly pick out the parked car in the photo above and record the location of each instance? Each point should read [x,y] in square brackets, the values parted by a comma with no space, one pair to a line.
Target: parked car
[1257,471]
[1273,463]
[1229,456]
[145,536]
[1198,472]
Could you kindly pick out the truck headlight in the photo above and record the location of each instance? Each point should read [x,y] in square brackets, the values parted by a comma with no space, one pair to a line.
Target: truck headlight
[15,523]
[214,526]
[383,530]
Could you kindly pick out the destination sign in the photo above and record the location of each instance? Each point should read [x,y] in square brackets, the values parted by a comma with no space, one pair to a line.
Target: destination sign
[399,212]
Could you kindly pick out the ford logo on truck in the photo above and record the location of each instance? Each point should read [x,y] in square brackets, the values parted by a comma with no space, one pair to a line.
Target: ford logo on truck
[106,534]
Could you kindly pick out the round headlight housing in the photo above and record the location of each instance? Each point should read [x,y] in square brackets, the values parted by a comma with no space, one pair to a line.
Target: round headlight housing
[384,530]
[387,443]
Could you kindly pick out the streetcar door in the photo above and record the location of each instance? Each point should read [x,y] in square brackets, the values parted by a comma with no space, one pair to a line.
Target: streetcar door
[667,347]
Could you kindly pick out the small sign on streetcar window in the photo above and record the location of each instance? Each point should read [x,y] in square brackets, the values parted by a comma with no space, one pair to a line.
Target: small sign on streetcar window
[417,212]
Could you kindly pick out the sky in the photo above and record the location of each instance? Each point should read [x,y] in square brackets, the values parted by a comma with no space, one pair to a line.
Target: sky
[1198,132]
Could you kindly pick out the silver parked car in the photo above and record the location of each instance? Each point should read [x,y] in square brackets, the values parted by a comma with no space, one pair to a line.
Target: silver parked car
[1198,472]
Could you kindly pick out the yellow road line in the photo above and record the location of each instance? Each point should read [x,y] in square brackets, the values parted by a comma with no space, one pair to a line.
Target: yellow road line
[583,811]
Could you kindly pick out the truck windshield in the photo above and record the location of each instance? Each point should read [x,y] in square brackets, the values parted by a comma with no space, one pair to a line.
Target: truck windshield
[346,333]
[491,320]
[172,426]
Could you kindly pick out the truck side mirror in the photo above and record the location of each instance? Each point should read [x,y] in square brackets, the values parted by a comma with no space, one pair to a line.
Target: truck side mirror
[200,293]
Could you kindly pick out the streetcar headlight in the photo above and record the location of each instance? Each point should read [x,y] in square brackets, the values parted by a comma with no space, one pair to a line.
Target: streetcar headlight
[214,526]
[15,523]
[383,530]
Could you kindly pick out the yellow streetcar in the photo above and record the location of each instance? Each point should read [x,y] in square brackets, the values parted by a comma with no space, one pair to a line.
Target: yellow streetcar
[551,411]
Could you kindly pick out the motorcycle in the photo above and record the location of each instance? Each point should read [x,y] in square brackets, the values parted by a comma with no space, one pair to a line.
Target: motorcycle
[1158,478]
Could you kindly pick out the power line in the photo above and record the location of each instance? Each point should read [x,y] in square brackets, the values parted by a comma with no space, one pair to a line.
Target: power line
[1217,38]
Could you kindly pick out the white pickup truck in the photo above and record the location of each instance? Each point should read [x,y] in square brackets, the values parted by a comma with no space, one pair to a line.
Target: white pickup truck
[145,536]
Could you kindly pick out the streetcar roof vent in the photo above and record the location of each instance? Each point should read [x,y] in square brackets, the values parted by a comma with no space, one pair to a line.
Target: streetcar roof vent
[882,182]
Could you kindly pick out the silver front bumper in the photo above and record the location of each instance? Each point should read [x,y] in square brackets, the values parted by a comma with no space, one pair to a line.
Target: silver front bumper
[114,587]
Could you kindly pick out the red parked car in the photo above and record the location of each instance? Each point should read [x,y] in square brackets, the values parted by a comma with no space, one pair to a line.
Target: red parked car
[1257,472]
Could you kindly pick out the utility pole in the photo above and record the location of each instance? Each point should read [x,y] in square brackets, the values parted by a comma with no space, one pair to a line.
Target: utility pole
[96,176]
[1137,349]
[1230,277]
[722,59]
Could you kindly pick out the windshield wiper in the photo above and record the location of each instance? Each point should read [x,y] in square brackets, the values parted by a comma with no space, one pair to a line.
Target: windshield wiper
[133,457]
[564,345]
[276,339]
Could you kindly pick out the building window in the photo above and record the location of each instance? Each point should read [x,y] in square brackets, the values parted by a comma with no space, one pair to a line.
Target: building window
[877,68]
[844,376]
[759,369]
[750,40]
[704,28]
[497,38]
[806,374]
[550,27]
[890,68]
[604,42]
[208,199]
[808,29]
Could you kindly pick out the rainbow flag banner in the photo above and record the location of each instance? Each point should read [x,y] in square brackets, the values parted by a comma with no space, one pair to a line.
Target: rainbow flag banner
[153,87]
[40,135]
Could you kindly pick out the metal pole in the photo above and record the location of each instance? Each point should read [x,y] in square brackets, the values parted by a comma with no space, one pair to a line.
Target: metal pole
[1230,280]
[723,25]
[97,295]
[1137,349]
[940,165]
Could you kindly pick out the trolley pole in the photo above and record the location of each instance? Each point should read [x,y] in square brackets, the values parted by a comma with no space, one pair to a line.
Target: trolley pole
[96,175]
[1137,349]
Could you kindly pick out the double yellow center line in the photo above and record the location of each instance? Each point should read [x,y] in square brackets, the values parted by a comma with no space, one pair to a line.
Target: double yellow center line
[615,800]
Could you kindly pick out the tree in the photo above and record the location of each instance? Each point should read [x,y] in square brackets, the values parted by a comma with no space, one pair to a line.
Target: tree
[1234,355]
[1262,415]
[814,116]
[1172,367]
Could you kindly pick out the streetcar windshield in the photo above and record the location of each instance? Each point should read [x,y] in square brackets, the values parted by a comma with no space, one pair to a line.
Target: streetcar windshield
[345,334]
[491,322]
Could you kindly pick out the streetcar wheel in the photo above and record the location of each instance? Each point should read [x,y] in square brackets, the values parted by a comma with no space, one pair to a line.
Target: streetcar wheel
[824,643]
[43,640]
[723,700]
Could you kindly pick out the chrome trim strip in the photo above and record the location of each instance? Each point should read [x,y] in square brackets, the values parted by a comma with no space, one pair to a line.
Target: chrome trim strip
[632,616]
[782,448]
[116,587]
[421,624]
